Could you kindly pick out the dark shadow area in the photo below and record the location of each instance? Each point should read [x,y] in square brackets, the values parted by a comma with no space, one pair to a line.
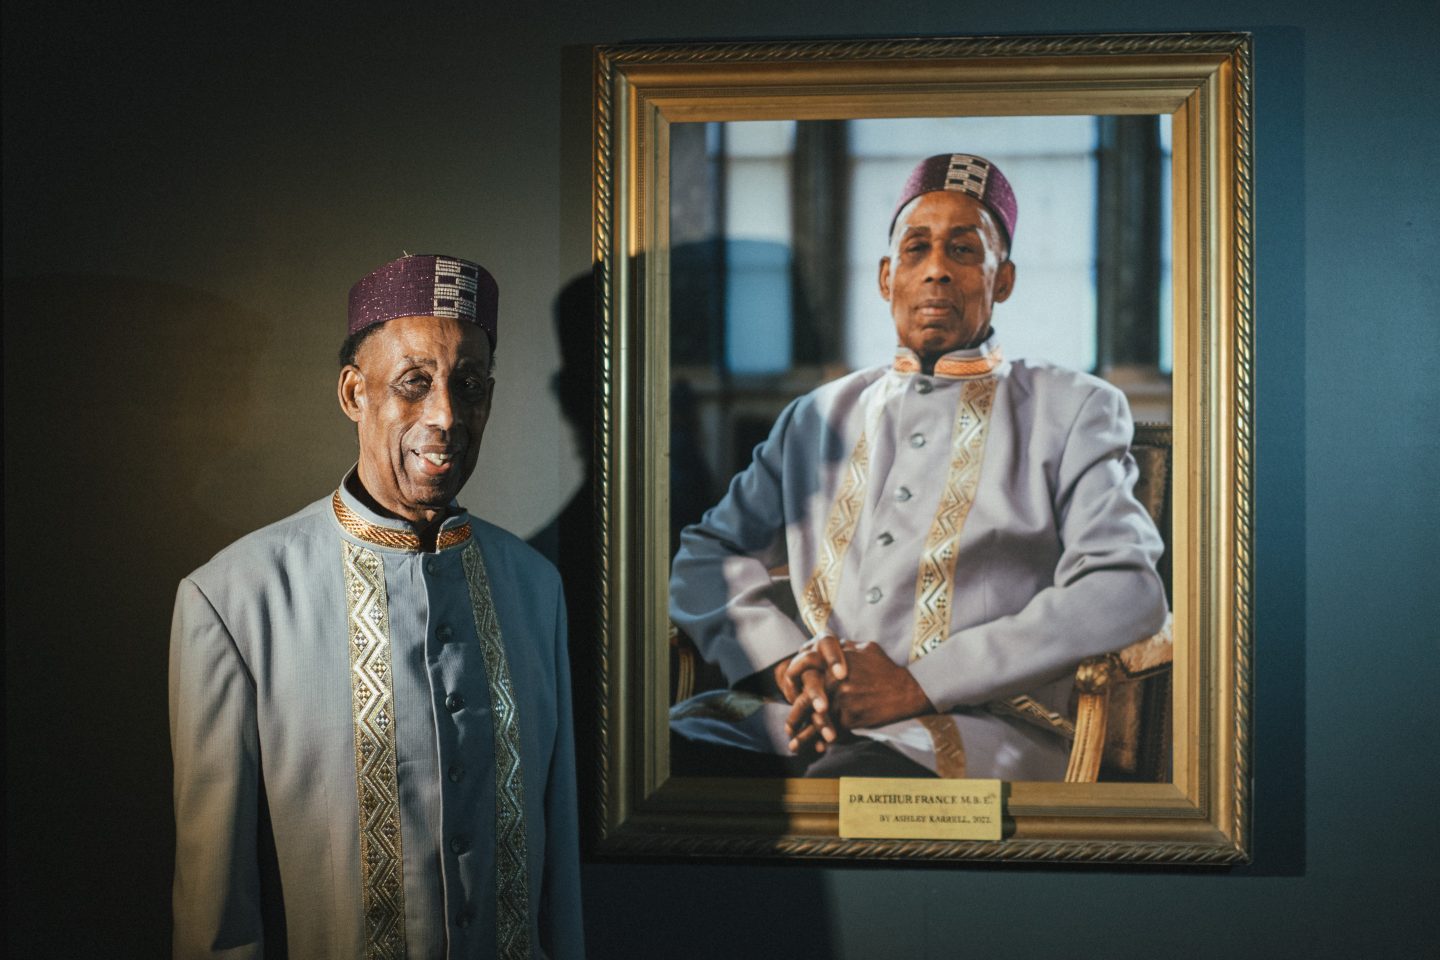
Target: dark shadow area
[569,540]
[706,911]
[1278,754]
[124,402]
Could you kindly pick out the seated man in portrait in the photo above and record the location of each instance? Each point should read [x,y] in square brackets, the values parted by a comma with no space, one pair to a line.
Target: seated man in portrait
[959,530]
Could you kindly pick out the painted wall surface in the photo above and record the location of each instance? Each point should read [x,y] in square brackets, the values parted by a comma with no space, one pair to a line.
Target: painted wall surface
[188,194]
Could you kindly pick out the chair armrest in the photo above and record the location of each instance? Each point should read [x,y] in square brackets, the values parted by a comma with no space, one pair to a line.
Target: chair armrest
[1095,678]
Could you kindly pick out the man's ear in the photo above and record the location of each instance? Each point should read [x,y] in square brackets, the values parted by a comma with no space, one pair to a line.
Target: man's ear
[885,279]
[1004,282]
[351,390]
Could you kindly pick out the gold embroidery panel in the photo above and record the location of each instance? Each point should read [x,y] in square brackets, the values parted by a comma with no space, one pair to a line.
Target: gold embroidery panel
[935,581]
[949,748]
[376,784]
[819,596]
[512,865]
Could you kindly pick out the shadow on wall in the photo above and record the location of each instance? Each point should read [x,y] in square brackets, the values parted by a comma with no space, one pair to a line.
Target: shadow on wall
[131,457]
[613,915]
[568,540]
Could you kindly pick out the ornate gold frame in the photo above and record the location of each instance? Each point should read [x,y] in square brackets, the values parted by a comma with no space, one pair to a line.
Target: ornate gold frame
[1204,82]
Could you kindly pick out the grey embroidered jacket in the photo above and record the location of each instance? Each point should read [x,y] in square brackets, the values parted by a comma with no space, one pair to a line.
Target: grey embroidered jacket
[407,717]
[979,525]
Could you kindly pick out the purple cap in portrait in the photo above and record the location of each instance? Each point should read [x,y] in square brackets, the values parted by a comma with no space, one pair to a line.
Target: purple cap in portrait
[426,285]
[966,173]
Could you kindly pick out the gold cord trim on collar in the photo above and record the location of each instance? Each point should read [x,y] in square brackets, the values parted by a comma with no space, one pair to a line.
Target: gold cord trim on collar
[951,367]
[362,529]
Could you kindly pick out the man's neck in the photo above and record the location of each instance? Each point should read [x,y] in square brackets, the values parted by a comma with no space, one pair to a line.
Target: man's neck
[426,528]
[928,360]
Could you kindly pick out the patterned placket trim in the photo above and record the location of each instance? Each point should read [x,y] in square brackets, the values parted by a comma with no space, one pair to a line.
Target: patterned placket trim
[512,865]
[818,599]
[935,581]
[949,747]
[376,783]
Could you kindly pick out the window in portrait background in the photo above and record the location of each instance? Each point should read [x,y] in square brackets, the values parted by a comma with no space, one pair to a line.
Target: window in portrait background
[777,229]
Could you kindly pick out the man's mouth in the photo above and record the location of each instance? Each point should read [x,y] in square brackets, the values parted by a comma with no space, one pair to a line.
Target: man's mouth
[436,461]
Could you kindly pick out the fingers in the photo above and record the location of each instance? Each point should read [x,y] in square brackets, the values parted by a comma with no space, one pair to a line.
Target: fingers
[811,702]
[833,652]
[808,737]
[809,720]
[787,686]
[789,678]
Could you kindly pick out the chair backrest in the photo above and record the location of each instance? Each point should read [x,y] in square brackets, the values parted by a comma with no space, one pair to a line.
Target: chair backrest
[1137,727]
[1151,449]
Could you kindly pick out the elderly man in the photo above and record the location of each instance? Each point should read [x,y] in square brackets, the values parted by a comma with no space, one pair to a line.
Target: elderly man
[386,677]
[959,531]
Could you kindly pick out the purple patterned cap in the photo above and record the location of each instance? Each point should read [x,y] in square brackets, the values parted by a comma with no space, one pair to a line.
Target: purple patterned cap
[426,285]
[966,173]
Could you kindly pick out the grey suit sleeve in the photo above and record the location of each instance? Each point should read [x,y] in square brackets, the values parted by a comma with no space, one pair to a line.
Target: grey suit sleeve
[1106,593]
[562,933]
[215,743]
[720,582]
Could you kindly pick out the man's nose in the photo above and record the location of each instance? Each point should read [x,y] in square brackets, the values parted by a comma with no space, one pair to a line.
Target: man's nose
[440,407]
[937,267]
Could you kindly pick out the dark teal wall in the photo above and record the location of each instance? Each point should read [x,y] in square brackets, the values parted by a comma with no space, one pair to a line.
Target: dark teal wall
[188,193]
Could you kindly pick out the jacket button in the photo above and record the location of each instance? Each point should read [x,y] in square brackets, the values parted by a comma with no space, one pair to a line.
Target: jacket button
[873,595]
[454,702]
[902,494]
[444,632]
[457,773]
[459,845]
[923,386]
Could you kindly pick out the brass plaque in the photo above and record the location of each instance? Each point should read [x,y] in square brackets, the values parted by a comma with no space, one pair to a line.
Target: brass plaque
[903,809]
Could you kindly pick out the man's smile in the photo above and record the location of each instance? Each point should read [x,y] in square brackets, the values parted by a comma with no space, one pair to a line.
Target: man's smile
[436,460]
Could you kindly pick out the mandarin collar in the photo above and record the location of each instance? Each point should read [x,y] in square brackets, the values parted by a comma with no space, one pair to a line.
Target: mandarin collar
[362,523]
[971,363]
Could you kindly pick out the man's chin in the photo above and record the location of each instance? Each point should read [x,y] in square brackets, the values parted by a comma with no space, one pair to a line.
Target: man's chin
[435,493]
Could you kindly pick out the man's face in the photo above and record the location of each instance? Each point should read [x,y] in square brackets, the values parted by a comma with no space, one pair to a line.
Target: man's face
[946,270]
[419,392]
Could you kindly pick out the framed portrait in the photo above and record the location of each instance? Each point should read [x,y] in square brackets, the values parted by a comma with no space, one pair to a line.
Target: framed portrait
[744,199]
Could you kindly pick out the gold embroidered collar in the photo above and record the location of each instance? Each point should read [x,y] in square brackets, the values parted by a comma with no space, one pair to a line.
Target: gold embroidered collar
[956,365]
[362,529]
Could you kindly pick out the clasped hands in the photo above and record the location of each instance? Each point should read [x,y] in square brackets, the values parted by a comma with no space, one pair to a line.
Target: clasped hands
[835,686]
